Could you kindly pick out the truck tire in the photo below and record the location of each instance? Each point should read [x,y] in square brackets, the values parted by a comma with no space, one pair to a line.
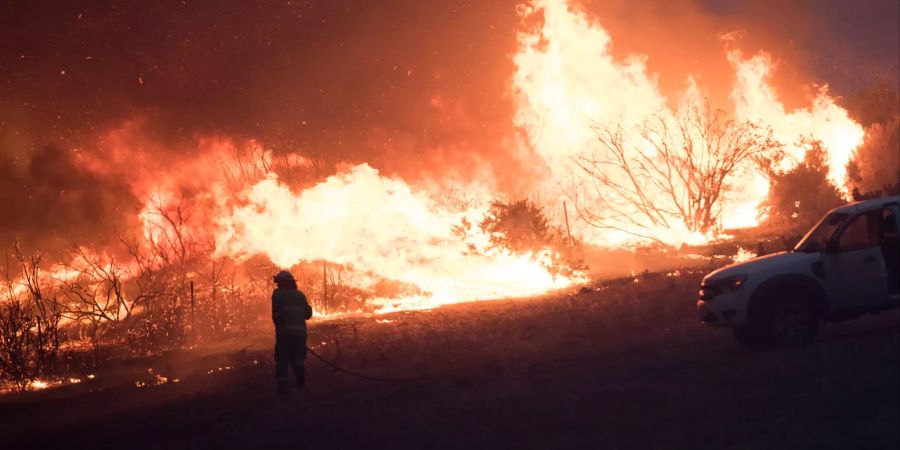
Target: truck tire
[750,337]
[792,323]
[786,322]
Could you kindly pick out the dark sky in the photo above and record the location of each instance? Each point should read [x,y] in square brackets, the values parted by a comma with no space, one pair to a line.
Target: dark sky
[410,86]
[845,42]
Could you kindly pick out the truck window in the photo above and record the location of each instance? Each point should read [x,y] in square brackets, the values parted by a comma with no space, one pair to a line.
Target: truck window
[888,225]
[814,240]
[861,232]
[890,249]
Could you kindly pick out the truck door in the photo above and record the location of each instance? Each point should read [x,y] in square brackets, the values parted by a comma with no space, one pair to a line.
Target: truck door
[890,250]
[854,268]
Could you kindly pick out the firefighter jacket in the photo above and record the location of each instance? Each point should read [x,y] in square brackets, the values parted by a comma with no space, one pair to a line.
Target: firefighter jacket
[290,311]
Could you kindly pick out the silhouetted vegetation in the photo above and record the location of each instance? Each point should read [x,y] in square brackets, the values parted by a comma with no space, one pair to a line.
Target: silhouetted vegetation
[521,227]
[668,170]
[874,169]
[800,196]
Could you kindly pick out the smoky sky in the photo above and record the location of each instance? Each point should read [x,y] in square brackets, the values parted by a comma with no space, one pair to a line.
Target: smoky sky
[300,74]
[409,86]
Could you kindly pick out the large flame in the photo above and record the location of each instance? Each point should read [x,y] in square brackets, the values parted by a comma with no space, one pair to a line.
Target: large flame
[567,79]
[754,99]
[378,225]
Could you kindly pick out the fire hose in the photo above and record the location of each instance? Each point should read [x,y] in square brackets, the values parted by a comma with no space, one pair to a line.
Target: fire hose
[356,374]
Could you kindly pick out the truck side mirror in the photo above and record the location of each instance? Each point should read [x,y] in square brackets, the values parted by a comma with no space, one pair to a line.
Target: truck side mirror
[831,246]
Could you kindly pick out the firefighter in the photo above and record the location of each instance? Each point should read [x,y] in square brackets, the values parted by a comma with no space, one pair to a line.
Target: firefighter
[290,311]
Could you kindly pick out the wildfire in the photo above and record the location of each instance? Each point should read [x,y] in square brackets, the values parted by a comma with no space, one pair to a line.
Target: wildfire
[379,225]
[755,99]
[567,80]
[41,384]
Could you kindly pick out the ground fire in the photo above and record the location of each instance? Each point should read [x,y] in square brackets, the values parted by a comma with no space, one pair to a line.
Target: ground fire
[401,165]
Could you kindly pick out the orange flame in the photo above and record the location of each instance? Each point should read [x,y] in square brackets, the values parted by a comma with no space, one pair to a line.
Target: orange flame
[378,225]
[756,100]
[567,79]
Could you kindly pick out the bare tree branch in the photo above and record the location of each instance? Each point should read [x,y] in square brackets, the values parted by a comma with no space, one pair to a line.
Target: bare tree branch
[672,168]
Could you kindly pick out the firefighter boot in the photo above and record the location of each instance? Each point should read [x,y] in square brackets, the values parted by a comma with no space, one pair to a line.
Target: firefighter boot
[301,376]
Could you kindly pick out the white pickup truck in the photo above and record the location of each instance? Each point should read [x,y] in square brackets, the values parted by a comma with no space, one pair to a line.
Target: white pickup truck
[846,266]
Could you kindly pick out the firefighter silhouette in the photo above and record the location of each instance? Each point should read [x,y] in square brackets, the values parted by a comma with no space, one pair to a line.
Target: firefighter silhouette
[290,311]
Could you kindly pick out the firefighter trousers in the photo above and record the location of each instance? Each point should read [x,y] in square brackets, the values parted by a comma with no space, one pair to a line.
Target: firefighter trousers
[290,351]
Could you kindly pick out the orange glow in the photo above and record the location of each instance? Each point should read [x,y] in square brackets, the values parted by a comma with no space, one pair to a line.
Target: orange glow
[567,80]
[378,225]
[226,196]
[755,99]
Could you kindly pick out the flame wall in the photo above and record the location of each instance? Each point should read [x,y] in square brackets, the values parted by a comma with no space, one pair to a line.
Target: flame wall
[375,111]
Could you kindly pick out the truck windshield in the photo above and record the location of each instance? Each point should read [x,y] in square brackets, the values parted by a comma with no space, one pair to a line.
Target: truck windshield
[814,241]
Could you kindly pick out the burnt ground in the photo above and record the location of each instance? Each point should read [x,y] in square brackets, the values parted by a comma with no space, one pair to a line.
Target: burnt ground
[627,366]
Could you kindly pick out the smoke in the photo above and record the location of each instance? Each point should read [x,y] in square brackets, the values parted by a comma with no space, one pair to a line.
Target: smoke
[47,200]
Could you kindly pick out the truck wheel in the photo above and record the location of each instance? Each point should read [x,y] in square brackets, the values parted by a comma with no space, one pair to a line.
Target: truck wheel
[786,323]
[750,337]
[791,323]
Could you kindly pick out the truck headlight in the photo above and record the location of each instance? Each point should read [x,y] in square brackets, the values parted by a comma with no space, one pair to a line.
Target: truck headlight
[713,288]
[733,282]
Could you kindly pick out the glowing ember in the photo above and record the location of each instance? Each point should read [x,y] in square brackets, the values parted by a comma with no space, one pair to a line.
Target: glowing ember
[219,369]
[743,255]
[157,380]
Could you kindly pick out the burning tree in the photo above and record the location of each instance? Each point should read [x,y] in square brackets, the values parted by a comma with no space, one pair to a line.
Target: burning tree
[669,169]
[95,297]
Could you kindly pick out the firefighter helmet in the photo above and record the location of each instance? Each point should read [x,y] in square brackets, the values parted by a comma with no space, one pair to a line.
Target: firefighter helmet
[284,275]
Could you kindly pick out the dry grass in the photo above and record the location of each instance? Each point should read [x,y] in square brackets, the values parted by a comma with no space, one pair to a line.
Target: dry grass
[623,366]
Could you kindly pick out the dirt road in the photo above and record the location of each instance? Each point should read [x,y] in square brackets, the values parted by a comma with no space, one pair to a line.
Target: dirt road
[626,366]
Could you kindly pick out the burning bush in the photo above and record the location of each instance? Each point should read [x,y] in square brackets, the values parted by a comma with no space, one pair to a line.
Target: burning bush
[521,227]
[30,317]
[875,167]
[800,196]
[97,306]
